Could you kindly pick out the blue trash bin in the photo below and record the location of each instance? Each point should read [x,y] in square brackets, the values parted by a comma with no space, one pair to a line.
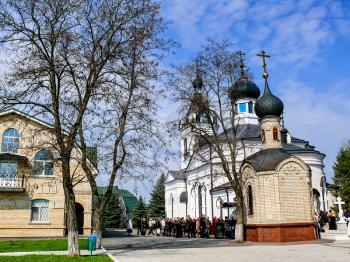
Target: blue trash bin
[91,244]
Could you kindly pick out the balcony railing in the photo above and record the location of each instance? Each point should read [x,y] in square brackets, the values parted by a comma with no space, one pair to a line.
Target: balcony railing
[10,182]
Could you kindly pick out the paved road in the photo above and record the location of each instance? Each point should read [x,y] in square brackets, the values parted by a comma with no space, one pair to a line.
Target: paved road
[159,249]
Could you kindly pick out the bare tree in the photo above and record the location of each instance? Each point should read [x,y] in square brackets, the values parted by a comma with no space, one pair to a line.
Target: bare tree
[64,53]
[213,73]
[130,140]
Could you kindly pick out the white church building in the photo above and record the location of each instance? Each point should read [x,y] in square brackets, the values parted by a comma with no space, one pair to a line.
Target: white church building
[200,188]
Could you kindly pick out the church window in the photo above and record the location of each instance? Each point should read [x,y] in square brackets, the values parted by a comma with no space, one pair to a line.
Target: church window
[242,107]
[40,210]
[250,107]
[185,147]
[43,163]
[250,200]
[263,136]
[275,133]
[200,201]
[10,141]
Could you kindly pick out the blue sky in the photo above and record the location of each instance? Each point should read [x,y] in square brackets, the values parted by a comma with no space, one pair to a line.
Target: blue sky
[309,44]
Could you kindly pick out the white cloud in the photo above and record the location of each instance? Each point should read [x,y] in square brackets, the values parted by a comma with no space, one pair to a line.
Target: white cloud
[319,116]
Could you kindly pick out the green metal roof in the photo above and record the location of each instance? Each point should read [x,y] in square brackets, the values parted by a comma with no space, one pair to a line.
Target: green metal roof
[129,199]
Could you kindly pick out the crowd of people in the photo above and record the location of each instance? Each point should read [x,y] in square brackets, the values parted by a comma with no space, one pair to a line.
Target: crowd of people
[328,220]
[180,227]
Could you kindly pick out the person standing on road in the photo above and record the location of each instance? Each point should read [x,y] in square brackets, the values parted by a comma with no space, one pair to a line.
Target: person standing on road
[129,227]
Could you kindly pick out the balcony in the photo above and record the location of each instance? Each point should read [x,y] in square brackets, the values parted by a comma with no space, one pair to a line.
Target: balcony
[10,183]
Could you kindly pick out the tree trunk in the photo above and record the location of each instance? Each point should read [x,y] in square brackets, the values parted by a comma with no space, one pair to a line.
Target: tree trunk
[239,229]
[73,234]
[97,226]
[71,219]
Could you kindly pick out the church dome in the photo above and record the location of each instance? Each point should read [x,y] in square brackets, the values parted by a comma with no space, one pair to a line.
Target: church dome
[268,104]
[284,131]
[244,88]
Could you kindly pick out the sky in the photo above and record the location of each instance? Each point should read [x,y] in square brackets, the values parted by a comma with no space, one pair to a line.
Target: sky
[309,68]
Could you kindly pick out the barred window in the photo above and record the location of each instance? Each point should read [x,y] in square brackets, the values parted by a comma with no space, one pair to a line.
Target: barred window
[10,141]
[43,163]
[40,210]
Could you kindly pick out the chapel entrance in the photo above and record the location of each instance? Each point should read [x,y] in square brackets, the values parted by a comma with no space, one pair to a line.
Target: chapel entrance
[79,210]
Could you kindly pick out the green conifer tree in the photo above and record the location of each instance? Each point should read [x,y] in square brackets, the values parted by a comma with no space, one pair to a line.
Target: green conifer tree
[112,213]
[140,211]
[157,204]
[342,174]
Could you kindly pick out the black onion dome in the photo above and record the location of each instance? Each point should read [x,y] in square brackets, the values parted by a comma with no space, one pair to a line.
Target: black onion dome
[268,104]
[243,88]
[284,131]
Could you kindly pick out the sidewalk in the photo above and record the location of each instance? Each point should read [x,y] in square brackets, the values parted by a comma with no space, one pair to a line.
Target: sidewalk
[82,252]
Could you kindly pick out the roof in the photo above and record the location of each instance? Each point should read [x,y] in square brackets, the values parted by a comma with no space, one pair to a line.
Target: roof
[267,159]
[226,185]
[178,175]
[129,199]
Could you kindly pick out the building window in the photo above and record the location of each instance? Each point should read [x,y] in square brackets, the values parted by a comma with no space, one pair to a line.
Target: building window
[43,163]
[263,136]
[10,141]
[275,133]
[242,107]
[250,200]
[40,210]
[185,146]
[250,107]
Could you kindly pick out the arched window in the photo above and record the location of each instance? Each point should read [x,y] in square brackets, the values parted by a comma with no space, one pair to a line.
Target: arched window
[263,136]
[275,133]
[200,201]
[250,107]
[40,210]
[10,141]
[43,163]
[250,200]
[185,146]
[172,205]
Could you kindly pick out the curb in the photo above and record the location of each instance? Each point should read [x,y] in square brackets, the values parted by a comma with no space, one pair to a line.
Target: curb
[110,255]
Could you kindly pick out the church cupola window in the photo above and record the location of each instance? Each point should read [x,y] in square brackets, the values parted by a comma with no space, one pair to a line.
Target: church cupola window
[275,133]
[250,107]
[242,107]
[263,136]
[250,200]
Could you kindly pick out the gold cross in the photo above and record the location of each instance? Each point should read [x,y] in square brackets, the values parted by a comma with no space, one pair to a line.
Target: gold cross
[263,55]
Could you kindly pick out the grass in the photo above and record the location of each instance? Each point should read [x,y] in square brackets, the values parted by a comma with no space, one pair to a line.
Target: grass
[53,258]
[37,245]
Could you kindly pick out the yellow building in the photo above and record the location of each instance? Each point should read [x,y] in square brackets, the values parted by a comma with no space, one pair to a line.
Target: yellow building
[31,192]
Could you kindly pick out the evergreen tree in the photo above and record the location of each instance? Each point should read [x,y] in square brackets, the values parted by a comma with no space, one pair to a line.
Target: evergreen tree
[157,203]
[140,211]
[112,212]
[342,174]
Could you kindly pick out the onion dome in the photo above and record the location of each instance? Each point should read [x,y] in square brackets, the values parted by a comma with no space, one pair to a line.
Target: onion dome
[267,104]
[244,88]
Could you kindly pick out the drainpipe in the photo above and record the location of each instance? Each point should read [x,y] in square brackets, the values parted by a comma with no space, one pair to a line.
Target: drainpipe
[228,207]
[211,183]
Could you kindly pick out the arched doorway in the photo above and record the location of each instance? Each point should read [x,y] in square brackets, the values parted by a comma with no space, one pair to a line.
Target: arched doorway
[316,199]
[79,210]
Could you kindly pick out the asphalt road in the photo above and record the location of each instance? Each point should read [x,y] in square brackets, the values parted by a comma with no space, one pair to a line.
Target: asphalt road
[168,249]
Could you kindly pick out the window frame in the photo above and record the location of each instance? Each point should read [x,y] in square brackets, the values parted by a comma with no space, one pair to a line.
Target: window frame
[250,200]
[44,164]
[250,107]
[42,216]
[6,135]
[275,134]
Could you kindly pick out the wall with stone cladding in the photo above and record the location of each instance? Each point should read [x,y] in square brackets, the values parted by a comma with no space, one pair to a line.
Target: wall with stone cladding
[267,124]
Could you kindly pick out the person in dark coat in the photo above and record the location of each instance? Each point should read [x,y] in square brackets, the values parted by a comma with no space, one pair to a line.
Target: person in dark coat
[332,220]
